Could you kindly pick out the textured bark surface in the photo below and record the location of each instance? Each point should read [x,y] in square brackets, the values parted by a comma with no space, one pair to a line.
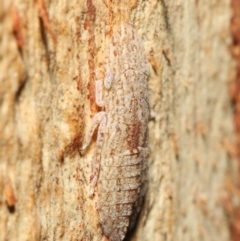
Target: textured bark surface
[48,55]
[235,94]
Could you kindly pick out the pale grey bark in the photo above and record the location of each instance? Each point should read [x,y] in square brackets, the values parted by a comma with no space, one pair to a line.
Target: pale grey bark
[47,102]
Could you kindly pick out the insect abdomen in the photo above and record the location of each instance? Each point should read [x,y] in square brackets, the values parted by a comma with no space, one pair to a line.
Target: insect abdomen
[120,193]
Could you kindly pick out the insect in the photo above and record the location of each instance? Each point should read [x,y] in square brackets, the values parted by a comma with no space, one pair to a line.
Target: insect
[119,163]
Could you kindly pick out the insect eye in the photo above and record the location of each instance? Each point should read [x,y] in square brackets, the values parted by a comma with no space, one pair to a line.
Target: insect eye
[108,81]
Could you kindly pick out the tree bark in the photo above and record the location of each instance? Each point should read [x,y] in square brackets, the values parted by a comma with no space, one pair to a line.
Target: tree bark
[50,54]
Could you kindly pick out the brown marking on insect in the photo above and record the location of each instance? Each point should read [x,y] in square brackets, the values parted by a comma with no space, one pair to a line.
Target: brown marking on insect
[43,14]
[134,134]
[17,27]
[133,131]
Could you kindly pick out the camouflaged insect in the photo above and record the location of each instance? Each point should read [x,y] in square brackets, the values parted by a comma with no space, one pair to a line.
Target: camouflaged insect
[120,161]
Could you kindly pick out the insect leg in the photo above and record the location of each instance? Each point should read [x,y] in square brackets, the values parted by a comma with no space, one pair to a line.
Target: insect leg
[96,161]
[97,119]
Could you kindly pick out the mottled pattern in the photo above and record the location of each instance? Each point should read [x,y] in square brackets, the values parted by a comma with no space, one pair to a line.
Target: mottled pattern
[120,161]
